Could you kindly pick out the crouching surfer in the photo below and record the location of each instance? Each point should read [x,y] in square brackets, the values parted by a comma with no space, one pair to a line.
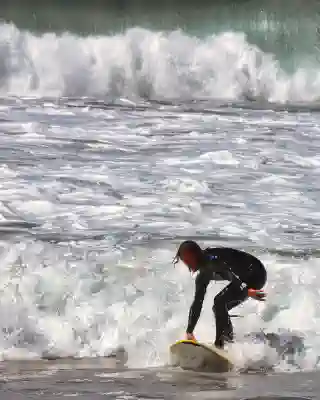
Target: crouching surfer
[246,274]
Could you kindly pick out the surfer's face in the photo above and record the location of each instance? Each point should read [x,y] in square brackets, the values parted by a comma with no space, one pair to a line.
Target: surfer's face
[190,259]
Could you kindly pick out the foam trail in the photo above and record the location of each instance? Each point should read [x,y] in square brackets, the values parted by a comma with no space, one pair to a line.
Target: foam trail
[69,306]
[141,63]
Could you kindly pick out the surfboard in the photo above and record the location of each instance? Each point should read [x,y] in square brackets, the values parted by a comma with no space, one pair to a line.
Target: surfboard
[193,355]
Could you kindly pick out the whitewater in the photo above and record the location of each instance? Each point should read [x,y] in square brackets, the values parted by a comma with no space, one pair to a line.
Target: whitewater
[113,150]
[148,64]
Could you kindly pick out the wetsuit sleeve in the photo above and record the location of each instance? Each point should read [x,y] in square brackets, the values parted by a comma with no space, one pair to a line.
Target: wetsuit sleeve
[201,284]
[235,278]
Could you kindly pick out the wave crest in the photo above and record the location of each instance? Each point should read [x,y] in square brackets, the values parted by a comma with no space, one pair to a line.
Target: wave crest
[151,65]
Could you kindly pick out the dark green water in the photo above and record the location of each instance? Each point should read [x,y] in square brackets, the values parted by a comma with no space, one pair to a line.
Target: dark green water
[288,29]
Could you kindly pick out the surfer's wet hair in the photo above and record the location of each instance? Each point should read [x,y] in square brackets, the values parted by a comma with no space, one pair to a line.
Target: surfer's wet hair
[188,245]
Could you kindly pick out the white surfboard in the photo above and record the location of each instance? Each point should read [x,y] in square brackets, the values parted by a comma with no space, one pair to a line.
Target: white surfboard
[193,355]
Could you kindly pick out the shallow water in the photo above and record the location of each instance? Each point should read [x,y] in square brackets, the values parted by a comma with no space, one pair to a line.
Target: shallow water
[95,381]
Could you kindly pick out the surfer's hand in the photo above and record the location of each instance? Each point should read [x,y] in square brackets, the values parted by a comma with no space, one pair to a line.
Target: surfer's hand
[190,336]
[257,294]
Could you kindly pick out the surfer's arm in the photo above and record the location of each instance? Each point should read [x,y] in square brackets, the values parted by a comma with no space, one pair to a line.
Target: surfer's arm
[253,293]
[223,271]
[235,278]
[201,287]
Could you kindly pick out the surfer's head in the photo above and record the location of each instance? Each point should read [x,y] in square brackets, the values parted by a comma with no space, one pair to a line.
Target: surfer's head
[191,254]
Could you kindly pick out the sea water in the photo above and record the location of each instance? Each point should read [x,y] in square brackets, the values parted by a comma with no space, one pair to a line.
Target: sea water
[124,134]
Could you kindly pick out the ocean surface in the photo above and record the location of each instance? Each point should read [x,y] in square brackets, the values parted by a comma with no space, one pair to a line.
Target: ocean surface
[126,129]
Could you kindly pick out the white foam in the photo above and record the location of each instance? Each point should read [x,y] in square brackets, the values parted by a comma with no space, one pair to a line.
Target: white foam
[84,312]
[220,157]
[143,63]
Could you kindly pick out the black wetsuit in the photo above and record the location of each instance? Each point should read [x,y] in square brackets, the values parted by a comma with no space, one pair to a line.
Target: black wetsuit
[243,270]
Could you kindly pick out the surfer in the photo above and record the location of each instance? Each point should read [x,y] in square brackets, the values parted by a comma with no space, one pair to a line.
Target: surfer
[246,274]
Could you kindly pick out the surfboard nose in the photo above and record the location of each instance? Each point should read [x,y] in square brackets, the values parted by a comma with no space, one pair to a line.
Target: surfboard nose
[192,355]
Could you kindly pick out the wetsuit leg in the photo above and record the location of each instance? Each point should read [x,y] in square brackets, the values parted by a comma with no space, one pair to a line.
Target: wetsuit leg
[230,297]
